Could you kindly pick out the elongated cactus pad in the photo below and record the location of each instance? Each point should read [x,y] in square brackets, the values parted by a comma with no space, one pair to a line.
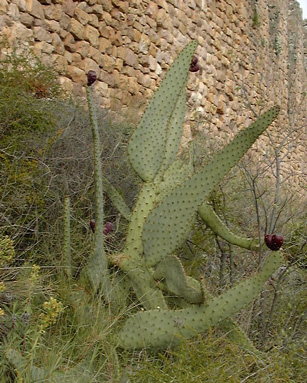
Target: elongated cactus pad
[143,283]
[120,290]
[234,333]
[161,328]
[155,141]
[211,219]
[172,272]
[116,199]
[66,245]
[161,235]
[97,267]
[144,204]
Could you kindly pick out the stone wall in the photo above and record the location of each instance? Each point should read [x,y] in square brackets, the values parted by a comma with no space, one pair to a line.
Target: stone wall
[252,55]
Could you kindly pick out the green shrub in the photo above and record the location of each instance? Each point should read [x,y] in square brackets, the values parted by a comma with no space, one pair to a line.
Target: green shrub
[27,88]
[44,154]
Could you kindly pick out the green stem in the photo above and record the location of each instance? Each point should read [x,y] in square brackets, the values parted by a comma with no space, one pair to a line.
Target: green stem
[97,267]
[66,245]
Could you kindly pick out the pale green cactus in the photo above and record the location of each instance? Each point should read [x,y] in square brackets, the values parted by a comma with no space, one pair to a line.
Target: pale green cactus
[161,328]
[169,200]
[66,245]
[97,268]
[154,144]
[212,220]
[171,271]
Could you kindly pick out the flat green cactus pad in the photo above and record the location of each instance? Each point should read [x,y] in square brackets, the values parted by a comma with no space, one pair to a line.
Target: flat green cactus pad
[155,141]
[172,272]
[175,175]
[170,222]
[161,328]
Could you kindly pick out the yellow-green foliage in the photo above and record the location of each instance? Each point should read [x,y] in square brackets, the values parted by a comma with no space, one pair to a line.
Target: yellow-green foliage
[52,310]
[7,251]
[2,287]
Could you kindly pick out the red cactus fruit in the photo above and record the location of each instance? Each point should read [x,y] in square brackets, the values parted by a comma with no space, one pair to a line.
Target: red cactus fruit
[92,225]
[108,227]
[194,60]
[274,241]
[91,77]
[194,67]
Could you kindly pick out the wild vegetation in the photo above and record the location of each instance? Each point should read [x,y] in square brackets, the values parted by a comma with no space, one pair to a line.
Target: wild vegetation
[60,322]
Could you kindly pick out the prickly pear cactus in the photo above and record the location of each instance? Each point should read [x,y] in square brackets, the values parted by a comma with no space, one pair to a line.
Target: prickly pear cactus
[171,196]
[161,328]
[154,144]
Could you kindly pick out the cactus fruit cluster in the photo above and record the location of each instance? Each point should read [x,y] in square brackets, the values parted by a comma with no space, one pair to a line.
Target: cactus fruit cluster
[170,198]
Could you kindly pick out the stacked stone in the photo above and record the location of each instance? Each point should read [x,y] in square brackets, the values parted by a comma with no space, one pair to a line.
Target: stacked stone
[131,43]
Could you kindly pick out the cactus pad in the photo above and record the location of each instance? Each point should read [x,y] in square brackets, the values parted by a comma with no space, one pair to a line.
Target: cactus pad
[97,266]
[161,328]
[156,139]
[212,220]
[161,236]
[172,272]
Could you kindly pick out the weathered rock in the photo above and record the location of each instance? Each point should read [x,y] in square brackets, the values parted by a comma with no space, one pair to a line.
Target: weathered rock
[58,44]
[53,12]
[42,34]
[129,57]
[91,34]
[97,9]
[104,45]
[144,43]
[13,12]
[83,48]
[21,4]
[26,19]
[69,7]
[69,43]
[77,29]
[88,64]
[76,59]
[81,16]
[65,22]
[53,26]
[60,64]
[43,47]
[35,8]
[76,74]
[107,63]
[93,20]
